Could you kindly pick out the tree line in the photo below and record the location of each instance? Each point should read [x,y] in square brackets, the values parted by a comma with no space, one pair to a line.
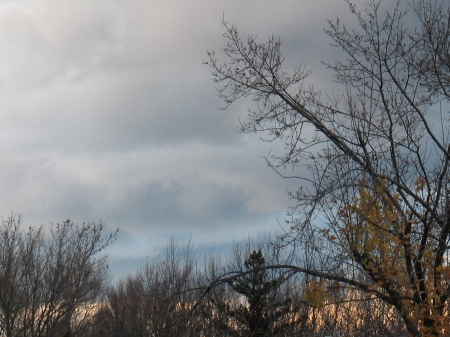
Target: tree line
[178,294]
[54,282]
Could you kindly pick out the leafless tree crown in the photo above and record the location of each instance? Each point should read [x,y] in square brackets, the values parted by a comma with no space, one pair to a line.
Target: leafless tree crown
[372,163]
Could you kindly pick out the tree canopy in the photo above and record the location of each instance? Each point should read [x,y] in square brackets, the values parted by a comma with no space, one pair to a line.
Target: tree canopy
[50,284]
[372,163]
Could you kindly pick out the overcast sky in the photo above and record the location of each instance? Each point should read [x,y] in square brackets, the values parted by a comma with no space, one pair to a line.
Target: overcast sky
[108,113]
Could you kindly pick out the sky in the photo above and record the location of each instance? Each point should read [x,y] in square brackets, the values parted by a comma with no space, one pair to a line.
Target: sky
[107,113]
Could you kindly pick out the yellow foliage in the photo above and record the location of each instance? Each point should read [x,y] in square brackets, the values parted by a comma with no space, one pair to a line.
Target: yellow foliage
[420,184]
[380,238]
[316,294]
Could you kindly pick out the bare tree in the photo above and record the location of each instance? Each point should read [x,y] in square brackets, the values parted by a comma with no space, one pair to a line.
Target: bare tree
[373,162]
[50,284]
[155,301]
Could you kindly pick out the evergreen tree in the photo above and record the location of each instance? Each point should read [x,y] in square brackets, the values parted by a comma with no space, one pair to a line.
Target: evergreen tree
[260,315]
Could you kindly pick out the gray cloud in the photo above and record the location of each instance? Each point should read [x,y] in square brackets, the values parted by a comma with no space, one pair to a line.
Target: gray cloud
[107,113]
